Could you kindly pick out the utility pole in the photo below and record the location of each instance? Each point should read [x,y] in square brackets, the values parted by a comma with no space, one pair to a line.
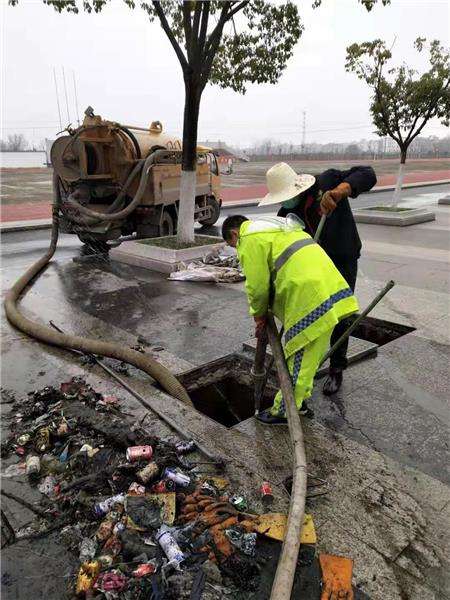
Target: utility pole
[57,99]
[303,132]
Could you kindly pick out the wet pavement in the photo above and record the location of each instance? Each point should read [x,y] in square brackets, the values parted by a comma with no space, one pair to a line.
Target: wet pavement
[392,410]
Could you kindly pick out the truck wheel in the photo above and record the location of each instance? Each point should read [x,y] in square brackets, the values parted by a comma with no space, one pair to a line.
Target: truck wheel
[93,244]
[215,212]
[167,226]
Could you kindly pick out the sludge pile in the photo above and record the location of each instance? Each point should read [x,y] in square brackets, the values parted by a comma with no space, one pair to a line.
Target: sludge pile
[142,519]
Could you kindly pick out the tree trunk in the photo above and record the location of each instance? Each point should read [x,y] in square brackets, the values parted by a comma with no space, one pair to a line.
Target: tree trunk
[189,163]
[398,187]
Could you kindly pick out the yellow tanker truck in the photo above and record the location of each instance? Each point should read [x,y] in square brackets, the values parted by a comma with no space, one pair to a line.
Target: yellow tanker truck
[117,180]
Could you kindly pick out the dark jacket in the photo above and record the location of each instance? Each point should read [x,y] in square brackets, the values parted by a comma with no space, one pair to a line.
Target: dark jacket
[339,237]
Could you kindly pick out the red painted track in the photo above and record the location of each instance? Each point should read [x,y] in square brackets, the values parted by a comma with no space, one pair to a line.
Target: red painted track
[42,210]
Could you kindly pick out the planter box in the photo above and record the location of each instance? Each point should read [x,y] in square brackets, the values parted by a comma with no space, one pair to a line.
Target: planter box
[444,200]
[143,253]
[401,218]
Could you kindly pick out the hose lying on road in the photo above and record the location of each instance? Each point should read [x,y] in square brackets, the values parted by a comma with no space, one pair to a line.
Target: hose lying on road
[45,334]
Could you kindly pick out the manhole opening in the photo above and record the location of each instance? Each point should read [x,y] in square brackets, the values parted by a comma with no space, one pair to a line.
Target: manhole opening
[380,332]
[223,390]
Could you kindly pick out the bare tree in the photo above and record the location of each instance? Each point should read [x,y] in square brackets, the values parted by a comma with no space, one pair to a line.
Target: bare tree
[15,142]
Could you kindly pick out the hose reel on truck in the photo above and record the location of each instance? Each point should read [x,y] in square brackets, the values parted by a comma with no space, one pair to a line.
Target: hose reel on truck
[101,174]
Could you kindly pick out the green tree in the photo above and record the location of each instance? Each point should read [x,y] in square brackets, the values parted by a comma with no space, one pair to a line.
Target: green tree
[403,100]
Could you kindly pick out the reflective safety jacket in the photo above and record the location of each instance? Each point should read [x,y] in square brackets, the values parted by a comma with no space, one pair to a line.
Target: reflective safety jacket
[285,269]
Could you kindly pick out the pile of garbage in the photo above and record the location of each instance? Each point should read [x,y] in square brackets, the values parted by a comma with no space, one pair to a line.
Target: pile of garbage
[220,268]
[139,513]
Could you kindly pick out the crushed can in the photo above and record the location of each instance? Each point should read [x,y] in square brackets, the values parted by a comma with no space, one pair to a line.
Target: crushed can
[144,569]
[177,477]
[170,547]
[112,547]
[104,530]
[42,439]
[185,447]
[238,502]
[33,465]
[135,453]
[163,486]
[88,548]
[102,508]
[266,492]
[148,473]
[23,439]
[136,490]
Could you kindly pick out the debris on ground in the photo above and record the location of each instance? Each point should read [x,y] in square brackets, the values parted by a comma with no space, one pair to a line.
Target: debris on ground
[214,267]
[134,509]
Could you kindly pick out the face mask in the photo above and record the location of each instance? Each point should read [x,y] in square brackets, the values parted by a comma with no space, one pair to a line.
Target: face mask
[292,203]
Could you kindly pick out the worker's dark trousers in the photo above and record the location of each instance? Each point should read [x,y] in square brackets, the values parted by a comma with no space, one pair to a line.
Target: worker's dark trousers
[348,268]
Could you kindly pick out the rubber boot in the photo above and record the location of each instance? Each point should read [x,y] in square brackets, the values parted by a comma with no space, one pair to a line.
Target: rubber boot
[333,382]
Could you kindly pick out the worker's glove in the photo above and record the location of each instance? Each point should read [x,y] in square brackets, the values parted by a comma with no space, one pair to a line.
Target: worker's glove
[260,326]
[330,199]
[336,577]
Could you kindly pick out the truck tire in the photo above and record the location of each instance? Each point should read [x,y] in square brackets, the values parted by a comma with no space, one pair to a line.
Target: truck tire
[166,226]
[215,212]
[93,244]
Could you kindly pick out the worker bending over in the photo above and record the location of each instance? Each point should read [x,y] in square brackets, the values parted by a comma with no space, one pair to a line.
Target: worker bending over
[288,273]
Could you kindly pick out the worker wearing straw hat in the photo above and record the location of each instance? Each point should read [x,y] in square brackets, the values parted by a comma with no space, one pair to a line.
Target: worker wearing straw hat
[309,197]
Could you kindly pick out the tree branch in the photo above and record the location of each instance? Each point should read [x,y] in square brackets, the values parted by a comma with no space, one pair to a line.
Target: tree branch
[197,13]
[429,115]
[204,26]
[165,25]
[239,7]
[380,102]
[188,36]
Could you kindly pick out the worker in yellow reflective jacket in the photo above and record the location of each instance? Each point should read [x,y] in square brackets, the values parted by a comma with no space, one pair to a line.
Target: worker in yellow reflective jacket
[288,273]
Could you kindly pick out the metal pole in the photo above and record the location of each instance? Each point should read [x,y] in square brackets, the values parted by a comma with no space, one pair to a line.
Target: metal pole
[57,99]
[357,321]
[323,218]
[77,111]
[65,93]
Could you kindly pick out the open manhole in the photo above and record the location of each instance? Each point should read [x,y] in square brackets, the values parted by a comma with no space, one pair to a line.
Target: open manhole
[223,389]
[380,332]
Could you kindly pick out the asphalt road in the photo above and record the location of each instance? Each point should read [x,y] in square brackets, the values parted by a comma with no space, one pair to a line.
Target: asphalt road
[21,248]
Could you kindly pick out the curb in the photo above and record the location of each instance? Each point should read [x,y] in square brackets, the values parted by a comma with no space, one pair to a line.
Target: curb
[382,188]
[34,224]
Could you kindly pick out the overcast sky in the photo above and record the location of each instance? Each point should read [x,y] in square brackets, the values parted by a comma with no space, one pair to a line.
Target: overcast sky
[126,69]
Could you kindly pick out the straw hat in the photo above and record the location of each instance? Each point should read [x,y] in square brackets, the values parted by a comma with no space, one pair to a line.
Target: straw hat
[284,183]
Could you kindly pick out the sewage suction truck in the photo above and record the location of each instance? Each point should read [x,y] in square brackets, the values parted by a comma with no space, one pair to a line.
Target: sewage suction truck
[119,180]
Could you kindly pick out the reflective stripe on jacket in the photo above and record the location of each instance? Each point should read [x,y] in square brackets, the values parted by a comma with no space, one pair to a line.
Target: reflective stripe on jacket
[310,295]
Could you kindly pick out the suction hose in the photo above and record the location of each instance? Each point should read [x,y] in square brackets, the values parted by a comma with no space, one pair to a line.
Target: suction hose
[116,216]
[44,334]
